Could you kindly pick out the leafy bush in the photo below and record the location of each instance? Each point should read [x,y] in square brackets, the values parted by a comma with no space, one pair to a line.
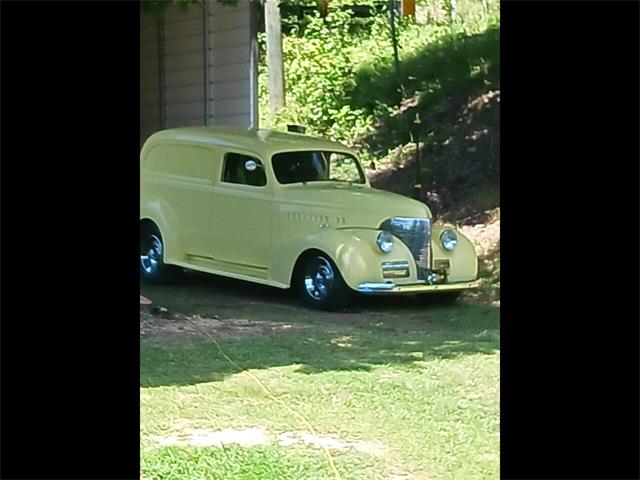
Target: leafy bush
[319,74]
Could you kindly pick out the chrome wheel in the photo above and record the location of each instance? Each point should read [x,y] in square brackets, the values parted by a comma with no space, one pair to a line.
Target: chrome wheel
[151,257]
[319,279]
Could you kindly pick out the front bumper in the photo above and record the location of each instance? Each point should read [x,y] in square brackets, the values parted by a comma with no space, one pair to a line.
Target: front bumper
[390,287]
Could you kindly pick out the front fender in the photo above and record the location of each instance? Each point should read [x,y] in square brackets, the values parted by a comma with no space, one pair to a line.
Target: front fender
[353,250]
[463,260]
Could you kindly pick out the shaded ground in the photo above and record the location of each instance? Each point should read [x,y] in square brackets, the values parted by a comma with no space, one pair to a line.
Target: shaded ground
[374,331]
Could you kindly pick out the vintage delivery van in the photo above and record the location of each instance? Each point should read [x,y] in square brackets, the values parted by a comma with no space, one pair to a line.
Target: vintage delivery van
[290,211]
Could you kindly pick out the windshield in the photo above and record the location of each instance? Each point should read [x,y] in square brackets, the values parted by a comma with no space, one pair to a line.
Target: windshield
[296,167]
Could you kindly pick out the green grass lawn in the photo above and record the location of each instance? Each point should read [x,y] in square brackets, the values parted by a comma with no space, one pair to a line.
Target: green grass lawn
[420,383]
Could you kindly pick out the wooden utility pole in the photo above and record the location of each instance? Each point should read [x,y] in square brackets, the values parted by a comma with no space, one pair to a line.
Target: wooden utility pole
[275,65]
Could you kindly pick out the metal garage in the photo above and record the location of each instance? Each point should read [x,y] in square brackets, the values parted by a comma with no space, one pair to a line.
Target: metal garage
[198,66]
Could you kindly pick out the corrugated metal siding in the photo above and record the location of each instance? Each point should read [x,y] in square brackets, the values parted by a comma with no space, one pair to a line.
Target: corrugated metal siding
[229,62]
[184,64]
[196,67]
[149,77]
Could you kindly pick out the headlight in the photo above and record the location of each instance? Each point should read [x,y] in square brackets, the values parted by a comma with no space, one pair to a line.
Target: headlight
[385,242]
[448,239]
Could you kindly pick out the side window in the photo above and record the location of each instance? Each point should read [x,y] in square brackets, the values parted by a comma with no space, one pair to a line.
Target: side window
[243,170]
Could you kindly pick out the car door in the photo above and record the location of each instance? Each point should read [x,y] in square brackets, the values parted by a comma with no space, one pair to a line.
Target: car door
[242,212]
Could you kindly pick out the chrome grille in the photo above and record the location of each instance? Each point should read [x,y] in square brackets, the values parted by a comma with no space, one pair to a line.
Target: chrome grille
[415,233]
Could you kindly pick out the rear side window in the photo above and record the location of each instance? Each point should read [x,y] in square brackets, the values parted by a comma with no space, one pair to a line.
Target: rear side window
[243,170]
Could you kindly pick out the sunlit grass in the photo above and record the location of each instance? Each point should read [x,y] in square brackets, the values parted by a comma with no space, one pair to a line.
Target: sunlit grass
[426,387]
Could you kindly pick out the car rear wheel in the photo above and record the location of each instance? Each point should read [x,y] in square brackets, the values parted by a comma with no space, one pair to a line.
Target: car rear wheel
[321,285]
[152,266]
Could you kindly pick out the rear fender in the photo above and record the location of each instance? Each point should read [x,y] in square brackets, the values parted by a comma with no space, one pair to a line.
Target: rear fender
[167,222]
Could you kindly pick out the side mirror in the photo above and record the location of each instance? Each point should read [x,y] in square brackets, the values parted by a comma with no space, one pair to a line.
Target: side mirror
[250,165]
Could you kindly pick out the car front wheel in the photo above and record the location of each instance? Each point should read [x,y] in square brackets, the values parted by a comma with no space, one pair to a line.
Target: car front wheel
[321,285]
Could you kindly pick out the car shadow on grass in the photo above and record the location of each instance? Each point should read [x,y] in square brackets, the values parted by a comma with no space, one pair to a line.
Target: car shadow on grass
[208,295]
[374,331]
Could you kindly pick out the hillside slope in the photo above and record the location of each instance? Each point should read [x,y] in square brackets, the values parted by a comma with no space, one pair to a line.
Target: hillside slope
[453,89]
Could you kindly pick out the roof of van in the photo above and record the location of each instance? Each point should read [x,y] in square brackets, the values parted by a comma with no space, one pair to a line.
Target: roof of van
[265,142]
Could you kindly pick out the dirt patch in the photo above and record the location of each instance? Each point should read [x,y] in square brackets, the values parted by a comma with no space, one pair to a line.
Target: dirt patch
[199,437]
[330,442]
[259,436]
[158,321]
[248,437]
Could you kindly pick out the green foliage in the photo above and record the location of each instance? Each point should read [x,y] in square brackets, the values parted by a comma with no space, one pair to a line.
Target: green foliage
[339,79]
[341,83]
[435,68]
[319,74]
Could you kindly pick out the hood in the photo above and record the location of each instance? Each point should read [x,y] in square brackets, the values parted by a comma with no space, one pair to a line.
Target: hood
[350,205]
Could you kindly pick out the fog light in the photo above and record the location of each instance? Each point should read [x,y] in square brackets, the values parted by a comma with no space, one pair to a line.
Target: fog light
[431,278]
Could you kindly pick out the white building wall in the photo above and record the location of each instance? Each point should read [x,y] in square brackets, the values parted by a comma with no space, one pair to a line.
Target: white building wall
[149,77]
[198,67]
[184,67]
[230,72]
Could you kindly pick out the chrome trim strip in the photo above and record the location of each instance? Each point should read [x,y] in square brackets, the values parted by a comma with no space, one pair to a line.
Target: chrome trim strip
[375,287]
